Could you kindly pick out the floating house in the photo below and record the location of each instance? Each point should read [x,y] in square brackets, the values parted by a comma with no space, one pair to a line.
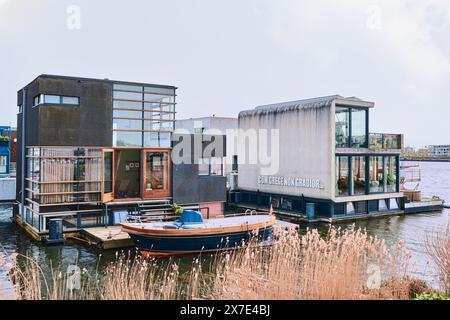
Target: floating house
[329,165]
[90,151]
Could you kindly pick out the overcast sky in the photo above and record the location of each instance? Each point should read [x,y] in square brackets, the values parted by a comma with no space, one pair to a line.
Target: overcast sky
[230,55]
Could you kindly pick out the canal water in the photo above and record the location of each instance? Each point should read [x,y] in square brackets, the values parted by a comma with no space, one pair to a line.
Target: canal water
[411,229]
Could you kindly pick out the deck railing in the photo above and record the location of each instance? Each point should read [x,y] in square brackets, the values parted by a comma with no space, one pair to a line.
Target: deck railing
[385,141]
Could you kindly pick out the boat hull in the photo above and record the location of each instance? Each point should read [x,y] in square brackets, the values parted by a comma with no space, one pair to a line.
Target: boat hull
[159,245]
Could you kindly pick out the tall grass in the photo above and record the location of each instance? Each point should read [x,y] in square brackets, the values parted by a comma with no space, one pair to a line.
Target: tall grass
[438,247]
[337,266]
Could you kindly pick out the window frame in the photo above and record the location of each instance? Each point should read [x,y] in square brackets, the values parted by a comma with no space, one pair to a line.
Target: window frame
[351,110]
[367,173]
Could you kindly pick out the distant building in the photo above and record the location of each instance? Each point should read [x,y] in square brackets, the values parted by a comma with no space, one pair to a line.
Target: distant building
[439,150]
[5,151]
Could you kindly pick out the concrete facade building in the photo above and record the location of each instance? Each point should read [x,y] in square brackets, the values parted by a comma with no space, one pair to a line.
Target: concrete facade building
[328,163]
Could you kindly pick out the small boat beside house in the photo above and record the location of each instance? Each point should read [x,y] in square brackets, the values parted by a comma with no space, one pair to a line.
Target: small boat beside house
[191,234]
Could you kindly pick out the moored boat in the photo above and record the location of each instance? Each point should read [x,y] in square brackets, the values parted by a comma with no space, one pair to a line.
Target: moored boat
[191,234]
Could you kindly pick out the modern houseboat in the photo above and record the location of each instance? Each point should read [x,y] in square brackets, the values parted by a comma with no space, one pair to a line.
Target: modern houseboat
[330,167]
[91,151]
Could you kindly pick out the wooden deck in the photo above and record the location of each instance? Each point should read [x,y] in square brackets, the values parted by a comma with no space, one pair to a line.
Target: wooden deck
[108,237]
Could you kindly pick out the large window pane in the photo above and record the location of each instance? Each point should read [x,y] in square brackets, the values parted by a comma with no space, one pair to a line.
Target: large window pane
[359,126]
[391,174]
[127,95]
[127,139]
[359,175]
[151,139]
[342,127]
[52,99]
[164,140]
[152,125]
[158,98]
[71,100]
[127,104]
[342,178]
[376,174]
[127,114]
[127,87]
[152,106]
[169,91]
[123,124]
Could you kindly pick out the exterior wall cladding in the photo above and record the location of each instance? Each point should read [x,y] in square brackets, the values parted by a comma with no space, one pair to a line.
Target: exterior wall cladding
[307,152]
[90,124]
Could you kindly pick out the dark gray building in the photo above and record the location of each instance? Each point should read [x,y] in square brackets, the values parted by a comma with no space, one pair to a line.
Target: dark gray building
[91,149]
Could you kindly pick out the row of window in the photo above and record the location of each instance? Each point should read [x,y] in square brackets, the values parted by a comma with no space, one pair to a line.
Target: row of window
[359,175]
[54,99]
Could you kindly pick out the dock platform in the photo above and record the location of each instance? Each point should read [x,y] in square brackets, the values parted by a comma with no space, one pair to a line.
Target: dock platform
[107,238]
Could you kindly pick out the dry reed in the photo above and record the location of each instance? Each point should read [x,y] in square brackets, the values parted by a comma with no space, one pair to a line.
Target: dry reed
[337,266]
[438,247]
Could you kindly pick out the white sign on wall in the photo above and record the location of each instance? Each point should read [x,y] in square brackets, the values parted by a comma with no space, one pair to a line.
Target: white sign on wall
[295,182]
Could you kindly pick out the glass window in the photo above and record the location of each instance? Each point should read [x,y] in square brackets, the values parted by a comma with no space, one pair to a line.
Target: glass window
[169,91]
[342,127]
[71,100]
[124,124]
[108,167]
[151,139]
[157,172]
[127,87]
[359,128]
[391,174]
[152,106]
[3,164]
[168,108]
[127,114]
[127,95]
[164,140]
[158,98]
[152,125]
[127,139]
[52,99]
[359,175]
[36,100]
[203,167]
[167,126]
[216,166]
[127,104]
[342,176]
[376,174]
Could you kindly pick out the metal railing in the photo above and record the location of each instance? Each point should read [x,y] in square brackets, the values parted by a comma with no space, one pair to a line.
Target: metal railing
[385,141]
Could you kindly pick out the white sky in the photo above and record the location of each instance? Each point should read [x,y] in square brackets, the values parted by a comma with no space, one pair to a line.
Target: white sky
[230,55]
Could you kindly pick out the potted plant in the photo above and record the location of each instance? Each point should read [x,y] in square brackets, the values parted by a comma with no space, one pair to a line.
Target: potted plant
[177,209]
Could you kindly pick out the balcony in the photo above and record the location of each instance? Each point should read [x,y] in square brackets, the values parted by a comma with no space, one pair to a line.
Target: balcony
[385,141]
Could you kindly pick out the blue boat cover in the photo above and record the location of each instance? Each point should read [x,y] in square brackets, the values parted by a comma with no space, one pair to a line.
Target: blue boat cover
[191,216]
